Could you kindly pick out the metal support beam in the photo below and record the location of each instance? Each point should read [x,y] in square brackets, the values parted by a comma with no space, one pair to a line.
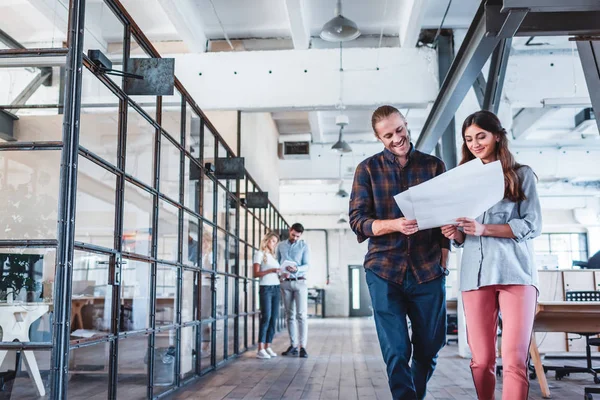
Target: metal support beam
[589,55]
[7,121]
[526,120]
[9,41]
[495,81]
[445,52]
[551,5]
[477,47]
[479,88]
[566,23]
[66,203]
[40,79]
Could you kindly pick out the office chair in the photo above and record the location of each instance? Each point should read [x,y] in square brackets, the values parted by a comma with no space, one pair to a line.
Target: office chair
[588,392]
[589,341]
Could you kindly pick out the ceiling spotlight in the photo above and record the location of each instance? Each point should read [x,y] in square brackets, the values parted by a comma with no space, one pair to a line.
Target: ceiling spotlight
[340,28]
[341,145]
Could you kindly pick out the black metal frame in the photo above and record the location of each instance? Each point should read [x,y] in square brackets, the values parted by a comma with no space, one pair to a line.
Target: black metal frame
[238,274]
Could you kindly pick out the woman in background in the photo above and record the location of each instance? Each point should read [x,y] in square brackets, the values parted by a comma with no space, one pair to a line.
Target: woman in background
[266,267]
[498,273]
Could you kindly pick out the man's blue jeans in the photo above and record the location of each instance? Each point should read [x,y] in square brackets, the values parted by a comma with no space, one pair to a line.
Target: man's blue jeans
[425,306]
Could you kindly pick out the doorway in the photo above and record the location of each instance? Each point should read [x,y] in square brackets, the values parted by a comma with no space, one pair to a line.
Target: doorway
[360,301]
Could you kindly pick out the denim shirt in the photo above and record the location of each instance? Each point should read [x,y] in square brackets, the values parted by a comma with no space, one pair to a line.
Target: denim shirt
[298,252]
[501,261]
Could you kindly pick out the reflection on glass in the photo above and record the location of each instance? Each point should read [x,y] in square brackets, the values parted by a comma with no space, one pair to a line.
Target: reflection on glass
[135,296]
[242,296]
[206,345]
[137,220]
[241,334]
[166,294]
[231,211]
[191,248]
[251,329]
[132,378]
[95,215]
[251,292]
[165,357]
[220,289]
[91,303]
[222,151]
[209,146]
[89,366]
[168,223]
[231,296]
[192,132]
[171,115]
[99,130]
[188,351]
[191,185]
[29,190]
[231,329]
[206,296]
[222,207]
[169,169]
[233,260]
[26,294]
[189,296]
[207,199]
[104,31]
[207,247]
[221,255]
[25,386]
[220,341]
[140,147]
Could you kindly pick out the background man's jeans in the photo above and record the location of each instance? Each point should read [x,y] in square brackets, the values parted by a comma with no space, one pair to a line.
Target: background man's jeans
[425,305]
[269,308]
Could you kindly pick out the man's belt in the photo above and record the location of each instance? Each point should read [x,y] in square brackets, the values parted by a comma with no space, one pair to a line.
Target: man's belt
[295,279]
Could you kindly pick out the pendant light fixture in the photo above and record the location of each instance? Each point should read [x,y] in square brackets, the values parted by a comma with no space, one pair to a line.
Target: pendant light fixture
[340,28]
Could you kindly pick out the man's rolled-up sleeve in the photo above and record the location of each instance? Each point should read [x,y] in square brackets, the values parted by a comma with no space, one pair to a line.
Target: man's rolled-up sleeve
[362,212]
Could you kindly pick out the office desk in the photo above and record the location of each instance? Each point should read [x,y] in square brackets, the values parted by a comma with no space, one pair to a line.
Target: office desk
[15,320]
[561,316]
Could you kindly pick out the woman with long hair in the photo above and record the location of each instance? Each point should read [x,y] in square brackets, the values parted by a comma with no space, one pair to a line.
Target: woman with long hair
[266,267]
[498,273]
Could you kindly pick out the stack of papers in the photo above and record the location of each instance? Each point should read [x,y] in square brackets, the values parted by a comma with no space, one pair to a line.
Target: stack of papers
[465,191]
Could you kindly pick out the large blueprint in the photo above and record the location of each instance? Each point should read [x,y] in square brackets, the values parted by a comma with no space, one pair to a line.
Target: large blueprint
[465,191]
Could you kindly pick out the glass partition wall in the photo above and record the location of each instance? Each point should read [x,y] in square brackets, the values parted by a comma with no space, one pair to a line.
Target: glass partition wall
[126,264]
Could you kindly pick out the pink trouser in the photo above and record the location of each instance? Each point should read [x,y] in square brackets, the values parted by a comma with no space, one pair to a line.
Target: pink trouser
[517,304]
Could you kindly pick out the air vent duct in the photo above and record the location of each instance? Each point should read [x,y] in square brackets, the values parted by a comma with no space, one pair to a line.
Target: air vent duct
[294,150]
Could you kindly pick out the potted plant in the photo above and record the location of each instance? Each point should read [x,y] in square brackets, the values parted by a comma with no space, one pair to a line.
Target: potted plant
[16,276]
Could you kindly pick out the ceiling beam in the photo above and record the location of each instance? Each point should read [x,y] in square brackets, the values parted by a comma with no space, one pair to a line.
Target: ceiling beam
[316,127]
[186,17]
[497,72]
[412,13]
[526,120]
[552,5]
[298,24]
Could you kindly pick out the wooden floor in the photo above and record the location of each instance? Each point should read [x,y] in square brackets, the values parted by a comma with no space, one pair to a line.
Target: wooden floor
[345,363]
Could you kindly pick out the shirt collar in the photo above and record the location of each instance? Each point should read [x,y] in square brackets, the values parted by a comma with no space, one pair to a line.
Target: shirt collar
[391,157]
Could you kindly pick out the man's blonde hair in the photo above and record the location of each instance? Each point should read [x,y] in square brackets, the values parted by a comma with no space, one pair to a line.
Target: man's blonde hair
[382,113]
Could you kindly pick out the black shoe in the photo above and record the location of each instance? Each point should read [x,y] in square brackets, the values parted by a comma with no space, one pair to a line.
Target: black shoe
[303,353]
[291,351]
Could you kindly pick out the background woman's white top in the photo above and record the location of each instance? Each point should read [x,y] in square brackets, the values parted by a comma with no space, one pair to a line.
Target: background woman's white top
[268,279]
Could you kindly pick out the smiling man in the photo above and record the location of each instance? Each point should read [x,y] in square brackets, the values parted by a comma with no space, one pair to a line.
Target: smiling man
[405,266]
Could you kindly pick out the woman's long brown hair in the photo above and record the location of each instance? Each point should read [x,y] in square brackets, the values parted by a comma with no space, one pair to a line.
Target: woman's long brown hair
[488,121]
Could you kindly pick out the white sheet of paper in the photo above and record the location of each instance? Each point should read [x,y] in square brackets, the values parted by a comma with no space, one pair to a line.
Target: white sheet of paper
[287,263]
[465,191]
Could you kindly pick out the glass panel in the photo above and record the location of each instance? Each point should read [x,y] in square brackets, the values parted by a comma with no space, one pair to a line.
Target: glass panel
[191,250]
[231,296]
[206,301]
[242,296]
[168,225]
[191,182]
[252,329]
[256,299]
[192,132]
[252,291]
[26,293]
[221,241]
[189,296]
[137,220]
[220,341]
[355,289]
[169,169]
[171,115]
[88,371]
[222,151]
[99,130]
[232,210]
[23,387]
[231,330]
[96,189]
[188,351]
[209,146]
[135,296]
[29,187]
[222,205]
[575,244]
[243,233]
[140,147]
[233,267]
[560,245]
[207,247]
[166,295]
[91,303]
[38,123]
[104,32]
[206,345]
[542,244]
[32,29]
[207,199]
[165,356]
[132,378]
[220,288]
[241,334]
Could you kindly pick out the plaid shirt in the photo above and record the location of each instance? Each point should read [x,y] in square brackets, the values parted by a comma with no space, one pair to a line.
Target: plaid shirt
[376,181]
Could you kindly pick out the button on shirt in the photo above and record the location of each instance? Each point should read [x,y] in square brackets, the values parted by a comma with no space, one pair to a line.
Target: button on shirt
[376,181]
[502,261]
[297,252]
